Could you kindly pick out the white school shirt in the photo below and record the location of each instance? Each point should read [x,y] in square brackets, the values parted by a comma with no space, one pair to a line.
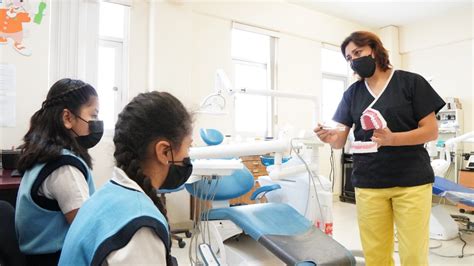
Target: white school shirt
[68,186]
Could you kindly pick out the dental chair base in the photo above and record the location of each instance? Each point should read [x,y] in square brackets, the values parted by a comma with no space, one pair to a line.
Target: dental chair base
[442,226]
[284,232]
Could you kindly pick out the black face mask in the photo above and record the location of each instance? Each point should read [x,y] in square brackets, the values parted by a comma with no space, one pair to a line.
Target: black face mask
[177,174]
[364,66]
[96,130]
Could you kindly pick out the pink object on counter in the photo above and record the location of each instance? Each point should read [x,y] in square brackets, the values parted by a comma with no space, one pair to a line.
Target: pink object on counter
[372,119]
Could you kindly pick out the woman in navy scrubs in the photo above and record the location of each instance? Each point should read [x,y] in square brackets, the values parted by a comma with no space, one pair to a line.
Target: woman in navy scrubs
[394,184]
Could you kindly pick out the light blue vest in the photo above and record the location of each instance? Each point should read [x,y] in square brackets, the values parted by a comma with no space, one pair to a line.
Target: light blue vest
[107,222]
[40,225]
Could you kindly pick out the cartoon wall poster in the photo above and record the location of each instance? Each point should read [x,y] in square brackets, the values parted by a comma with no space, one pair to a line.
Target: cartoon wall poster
[14,14]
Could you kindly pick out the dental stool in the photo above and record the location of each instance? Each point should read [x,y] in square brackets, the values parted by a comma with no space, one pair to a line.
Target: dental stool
[174,233]
[276,226]
[211,136]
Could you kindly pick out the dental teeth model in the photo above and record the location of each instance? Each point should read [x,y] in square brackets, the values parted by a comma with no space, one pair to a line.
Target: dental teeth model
[363,147]
[372,119]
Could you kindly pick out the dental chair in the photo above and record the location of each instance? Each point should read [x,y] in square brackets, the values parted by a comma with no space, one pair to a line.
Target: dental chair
[443,225]
[276,226]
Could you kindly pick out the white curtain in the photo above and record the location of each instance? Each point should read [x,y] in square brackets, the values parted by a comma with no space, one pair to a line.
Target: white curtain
[74,40]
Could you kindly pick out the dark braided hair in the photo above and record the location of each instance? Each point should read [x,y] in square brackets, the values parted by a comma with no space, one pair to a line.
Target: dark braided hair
[48,136]
[147,118]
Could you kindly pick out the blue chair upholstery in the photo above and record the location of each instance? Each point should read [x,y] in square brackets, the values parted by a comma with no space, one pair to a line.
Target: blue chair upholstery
[264,190]
[268,160]
[211,136]
[442,185]
[228,187]
[166,191]
[264,219]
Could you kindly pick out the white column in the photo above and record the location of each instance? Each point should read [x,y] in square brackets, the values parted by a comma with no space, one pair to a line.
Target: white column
[390,40]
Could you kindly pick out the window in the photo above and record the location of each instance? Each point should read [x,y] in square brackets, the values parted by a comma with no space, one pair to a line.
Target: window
[334,81]
[253,60]
[112,77]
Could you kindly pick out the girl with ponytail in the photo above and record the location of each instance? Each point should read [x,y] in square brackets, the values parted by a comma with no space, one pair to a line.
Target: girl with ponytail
[56,168]
[125,222]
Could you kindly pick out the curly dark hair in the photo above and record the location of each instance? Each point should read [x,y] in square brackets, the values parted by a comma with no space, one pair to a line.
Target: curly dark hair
[363,38]
[48,136]
[149,117]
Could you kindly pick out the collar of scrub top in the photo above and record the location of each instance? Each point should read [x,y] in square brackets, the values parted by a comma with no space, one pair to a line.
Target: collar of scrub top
[383,90]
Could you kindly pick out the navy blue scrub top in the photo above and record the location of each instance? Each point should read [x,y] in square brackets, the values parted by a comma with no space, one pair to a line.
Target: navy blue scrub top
[407,99]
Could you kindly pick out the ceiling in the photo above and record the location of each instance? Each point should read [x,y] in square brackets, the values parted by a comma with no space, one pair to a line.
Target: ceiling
[381,13]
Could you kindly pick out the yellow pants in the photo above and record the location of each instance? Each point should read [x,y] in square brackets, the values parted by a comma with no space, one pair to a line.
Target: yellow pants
[377,211]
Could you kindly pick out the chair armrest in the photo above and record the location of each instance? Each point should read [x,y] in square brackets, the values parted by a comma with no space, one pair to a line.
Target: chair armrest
[264,190]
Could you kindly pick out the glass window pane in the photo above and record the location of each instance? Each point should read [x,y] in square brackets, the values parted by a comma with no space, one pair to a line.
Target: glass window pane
[111,20]
[254,119]
[106,82]
[250,46]
[333,90]
[333,62]
[250,76]
[251,114]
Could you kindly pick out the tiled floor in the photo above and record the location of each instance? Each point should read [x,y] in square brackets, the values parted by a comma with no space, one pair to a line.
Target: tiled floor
[347,233]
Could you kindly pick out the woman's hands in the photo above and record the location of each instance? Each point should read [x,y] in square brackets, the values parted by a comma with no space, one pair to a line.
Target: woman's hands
[383,137]
[326,135]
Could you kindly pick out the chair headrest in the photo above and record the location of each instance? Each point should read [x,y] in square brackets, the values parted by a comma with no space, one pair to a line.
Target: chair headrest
[211,136]
[228,187]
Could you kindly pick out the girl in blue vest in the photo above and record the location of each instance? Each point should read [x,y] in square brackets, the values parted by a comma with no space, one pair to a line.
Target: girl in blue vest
[56,169]
[124,222]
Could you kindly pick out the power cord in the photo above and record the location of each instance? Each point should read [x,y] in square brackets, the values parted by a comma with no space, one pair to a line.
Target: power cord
[311,178]
[456,256]
[332,171]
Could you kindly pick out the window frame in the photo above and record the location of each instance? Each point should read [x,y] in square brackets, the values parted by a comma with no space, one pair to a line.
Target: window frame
[121,66]
[270,68]
[331,76]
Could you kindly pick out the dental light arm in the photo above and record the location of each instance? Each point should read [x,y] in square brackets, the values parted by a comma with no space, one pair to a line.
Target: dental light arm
[291,171]
[253,148]
[451,143]
[239,149]
[223,85]
[461,138]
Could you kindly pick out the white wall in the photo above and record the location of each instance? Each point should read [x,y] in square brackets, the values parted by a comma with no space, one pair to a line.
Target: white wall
[190,41]
[446,55]
[31,77]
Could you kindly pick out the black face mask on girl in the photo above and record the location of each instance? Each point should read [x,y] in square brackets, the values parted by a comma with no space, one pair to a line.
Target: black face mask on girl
[96,130]
[364,66]
[177,174]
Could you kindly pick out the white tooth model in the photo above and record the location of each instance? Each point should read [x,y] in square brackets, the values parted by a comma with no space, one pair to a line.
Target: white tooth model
[363,147]
[372,119]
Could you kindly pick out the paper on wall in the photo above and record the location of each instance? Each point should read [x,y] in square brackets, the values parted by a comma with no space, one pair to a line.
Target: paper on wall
[7,95]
